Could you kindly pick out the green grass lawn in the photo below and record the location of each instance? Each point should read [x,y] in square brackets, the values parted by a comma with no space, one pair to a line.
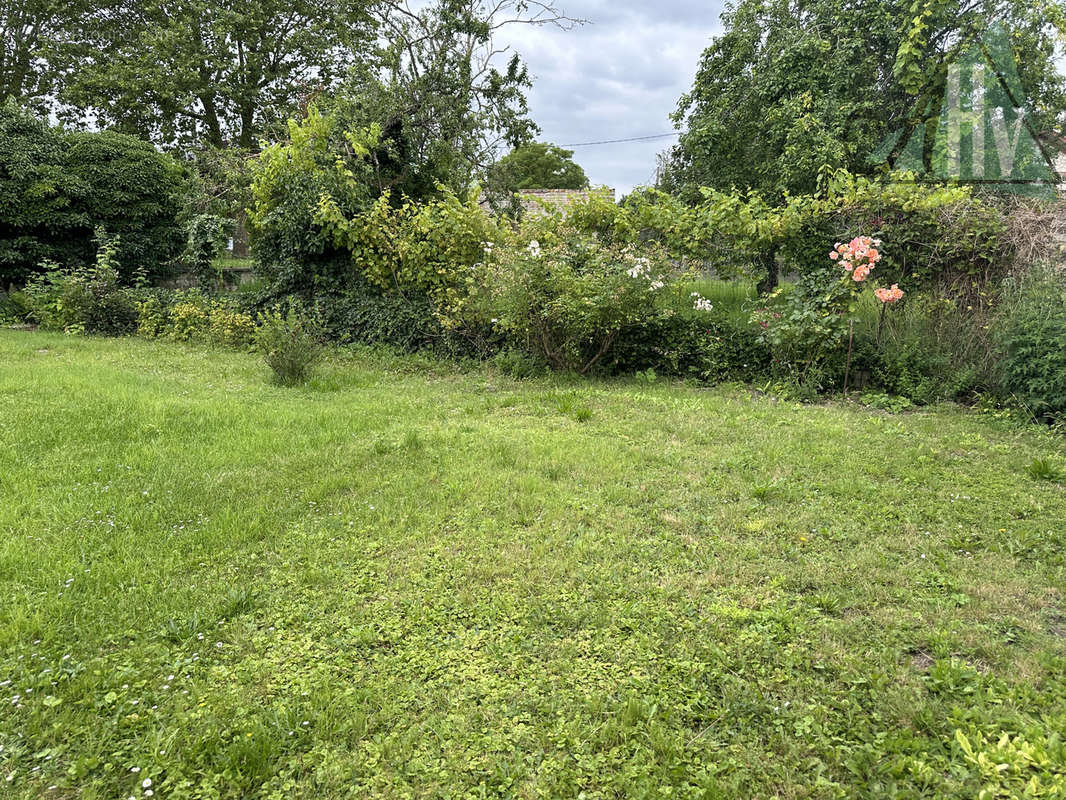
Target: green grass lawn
[410,580]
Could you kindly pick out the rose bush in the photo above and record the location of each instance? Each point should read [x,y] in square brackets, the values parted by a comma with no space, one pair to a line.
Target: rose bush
[806,323]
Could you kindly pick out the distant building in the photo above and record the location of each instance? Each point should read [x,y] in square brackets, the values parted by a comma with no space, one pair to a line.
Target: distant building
[531,199]
[558,198]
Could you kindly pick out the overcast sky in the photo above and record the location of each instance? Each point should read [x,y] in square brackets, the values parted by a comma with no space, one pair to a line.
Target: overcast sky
[619,76]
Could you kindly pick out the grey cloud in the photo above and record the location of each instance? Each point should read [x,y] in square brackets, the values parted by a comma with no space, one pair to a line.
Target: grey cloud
[618,77]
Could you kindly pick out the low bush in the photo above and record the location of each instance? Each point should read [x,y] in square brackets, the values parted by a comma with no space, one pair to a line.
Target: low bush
[14,308]
[291,343]
[569,298]
[1030,334]
[706,348]
[191,316]
[365,314]
[518,364]
[83,299]
[189,321]
[230,327]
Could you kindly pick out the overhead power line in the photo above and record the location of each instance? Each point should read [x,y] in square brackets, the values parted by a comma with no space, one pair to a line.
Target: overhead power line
[620,141]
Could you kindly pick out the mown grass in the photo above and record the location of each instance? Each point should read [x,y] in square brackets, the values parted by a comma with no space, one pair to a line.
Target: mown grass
[408,580]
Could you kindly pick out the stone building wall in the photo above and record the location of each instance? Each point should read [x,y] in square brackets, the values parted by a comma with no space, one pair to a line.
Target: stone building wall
[558,197]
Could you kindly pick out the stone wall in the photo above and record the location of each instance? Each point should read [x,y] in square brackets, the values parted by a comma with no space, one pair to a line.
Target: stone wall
[557,197]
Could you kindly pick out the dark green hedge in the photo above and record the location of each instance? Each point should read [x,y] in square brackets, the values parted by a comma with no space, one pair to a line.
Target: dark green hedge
[57,188]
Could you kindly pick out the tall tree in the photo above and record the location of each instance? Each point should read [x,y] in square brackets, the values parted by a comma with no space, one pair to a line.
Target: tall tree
[538,165]
[30,33]
[446,94]
[217,71]
[792,85]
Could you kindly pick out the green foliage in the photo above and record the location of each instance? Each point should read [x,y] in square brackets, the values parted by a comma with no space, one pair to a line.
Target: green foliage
[35,195]
[289,181]
[941,236]
[441,94]
[191,316]
[31,34]
[194,72]
[932,348]
[787,89]
[133,191]
[887,402]
[320,229]
[518,364]
[692,345]
[1030,333]
[1031,764]
[366,315]
[567,296]
[9,312]
[426,249]
[1043,469]
[83,299]
[206,239]
[540,165]
[64,186]
[291,344]
[537,165]
[803,326]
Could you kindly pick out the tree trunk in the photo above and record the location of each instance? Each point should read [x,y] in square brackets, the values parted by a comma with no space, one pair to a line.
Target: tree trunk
[214,128]
[768,261]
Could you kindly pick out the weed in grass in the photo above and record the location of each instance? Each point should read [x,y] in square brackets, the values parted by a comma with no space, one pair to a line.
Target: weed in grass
[1043,469]
[886,402]
[648,377]
[764,492]
[571,406]
[827,603]
[238,600]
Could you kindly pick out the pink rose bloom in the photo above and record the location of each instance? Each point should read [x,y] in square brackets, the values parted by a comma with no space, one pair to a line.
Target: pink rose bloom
[834,255]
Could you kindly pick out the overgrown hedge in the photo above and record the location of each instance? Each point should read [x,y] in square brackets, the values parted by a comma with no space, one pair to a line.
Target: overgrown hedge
[596,288]
[57,189]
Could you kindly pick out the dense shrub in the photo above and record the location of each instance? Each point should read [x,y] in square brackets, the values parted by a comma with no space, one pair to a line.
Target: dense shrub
[191,316]
[293,251]
[1031,336]
[35,195]
[83,299]
[320,229]
[366,315]
[707,349]
[943,238]
[13,308]
[291,343]
[133,192]
[932,348]
[58,188]
[569,297]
